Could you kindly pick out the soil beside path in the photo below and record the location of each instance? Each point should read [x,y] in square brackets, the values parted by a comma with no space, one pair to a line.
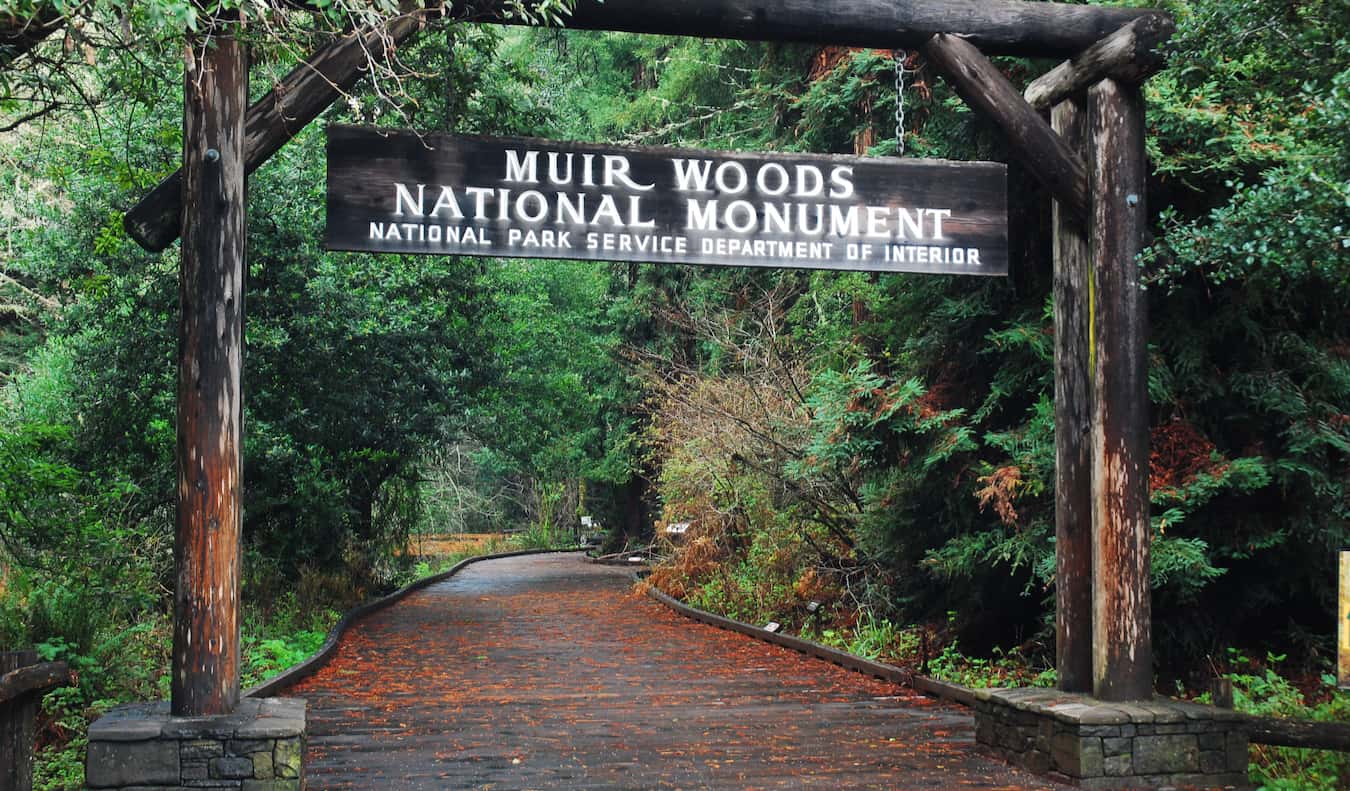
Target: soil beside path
[545,671]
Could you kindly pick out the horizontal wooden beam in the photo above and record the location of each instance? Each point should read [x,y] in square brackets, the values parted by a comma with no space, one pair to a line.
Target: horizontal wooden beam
[1007,27]
[998,26]
[1033,142]
[1300,733]
[277,117]
[1131,54]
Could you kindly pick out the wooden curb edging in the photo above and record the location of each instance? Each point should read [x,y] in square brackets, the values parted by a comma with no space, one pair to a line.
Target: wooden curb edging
[942,690]
[320,658]
[1279,731]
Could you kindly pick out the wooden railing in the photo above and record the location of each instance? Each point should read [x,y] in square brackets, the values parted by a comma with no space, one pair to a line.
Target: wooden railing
[22,681]
[1312,734]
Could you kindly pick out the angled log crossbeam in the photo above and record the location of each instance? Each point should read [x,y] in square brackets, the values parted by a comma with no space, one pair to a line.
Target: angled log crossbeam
[983,87]
[1130,54]
[277,117]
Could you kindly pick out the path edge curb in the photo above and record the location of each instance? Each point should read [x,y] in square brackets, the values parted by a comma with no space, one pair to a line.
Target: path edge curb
[953,693]
[321,658]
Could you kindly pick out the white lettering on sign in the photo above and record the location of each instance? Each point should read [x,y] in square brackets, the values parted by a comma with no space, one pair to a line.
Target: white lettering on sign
[442,194]
[815,219]
[523,168]
[713,215]
[771,179]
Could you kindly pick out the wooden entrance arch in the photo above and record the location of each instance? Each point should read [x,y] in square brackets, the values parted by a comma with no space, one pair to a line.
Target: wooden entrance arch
[1090,156]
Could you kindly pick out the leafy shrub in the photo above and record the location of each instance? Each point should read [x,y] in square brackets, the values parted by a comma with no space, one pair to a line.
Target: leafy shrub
[1259,688]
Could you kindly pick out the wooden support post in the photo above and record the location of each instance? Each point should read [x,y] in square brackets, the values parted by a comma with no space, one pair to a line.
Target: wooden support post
[1073,416]
[210,361]
[1122,662]
[1130,54]
[17,719]
[1221,692]
[276,118]
[1031,139]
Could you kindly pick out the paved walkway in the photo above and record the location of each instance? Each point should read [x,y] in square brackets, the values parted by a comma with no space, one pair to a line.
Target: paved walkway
[544,671]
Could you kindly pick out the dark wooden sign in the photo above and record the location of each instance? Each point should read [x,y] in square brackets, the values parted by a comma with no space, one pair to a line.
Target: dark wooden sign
[401,192]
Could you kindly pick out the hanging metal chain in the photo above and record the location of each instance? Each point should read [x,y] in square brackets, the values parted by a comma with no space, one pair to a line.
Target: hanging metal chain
[900,55]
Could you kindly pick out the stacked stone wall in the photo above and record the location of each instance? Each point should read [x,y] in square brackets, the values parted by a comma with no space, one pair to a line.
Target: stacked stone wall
[258,747]
[1155,744]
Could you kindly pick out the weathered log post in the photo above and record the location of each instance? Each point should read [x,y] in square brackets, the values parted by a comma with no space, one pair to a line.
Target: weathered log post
[1073,415]
[17,718]
[210,362]
[1122,665]
[22,681]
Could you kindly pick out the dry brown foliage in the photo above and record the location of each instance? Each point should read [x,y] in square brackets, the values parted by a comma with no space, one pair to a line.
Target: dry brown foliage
[731,447]
[1178,452]
[1001,488]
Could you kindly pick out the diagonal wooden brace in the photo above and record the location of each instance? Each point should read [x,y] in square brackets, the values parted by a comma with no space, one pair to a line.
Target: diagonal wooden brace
[1033,142]
[1130,55]
[276,118]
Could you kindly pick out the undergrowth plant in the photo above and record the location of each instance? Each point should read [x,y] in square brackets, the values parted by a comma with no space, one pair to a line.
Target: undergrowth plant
[1259,688]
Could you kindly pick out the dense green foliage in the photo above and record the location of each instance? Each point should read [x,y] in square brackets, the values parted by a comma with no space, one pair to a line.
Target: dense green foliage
[920,429]
[884,445]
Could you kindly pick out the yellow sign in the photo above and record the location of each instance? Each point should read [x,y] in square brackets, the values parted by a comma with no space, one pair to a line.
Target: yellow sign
[1343,668]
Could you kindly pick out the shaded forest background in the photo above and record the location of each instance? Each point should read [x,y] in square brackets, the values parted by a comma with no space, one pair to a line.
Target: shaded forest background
[882,445]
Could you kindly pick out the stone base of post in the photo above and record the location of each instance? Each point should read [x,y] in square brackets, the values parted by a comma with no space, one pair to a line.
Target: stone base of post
[1091,744]
[260,746]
